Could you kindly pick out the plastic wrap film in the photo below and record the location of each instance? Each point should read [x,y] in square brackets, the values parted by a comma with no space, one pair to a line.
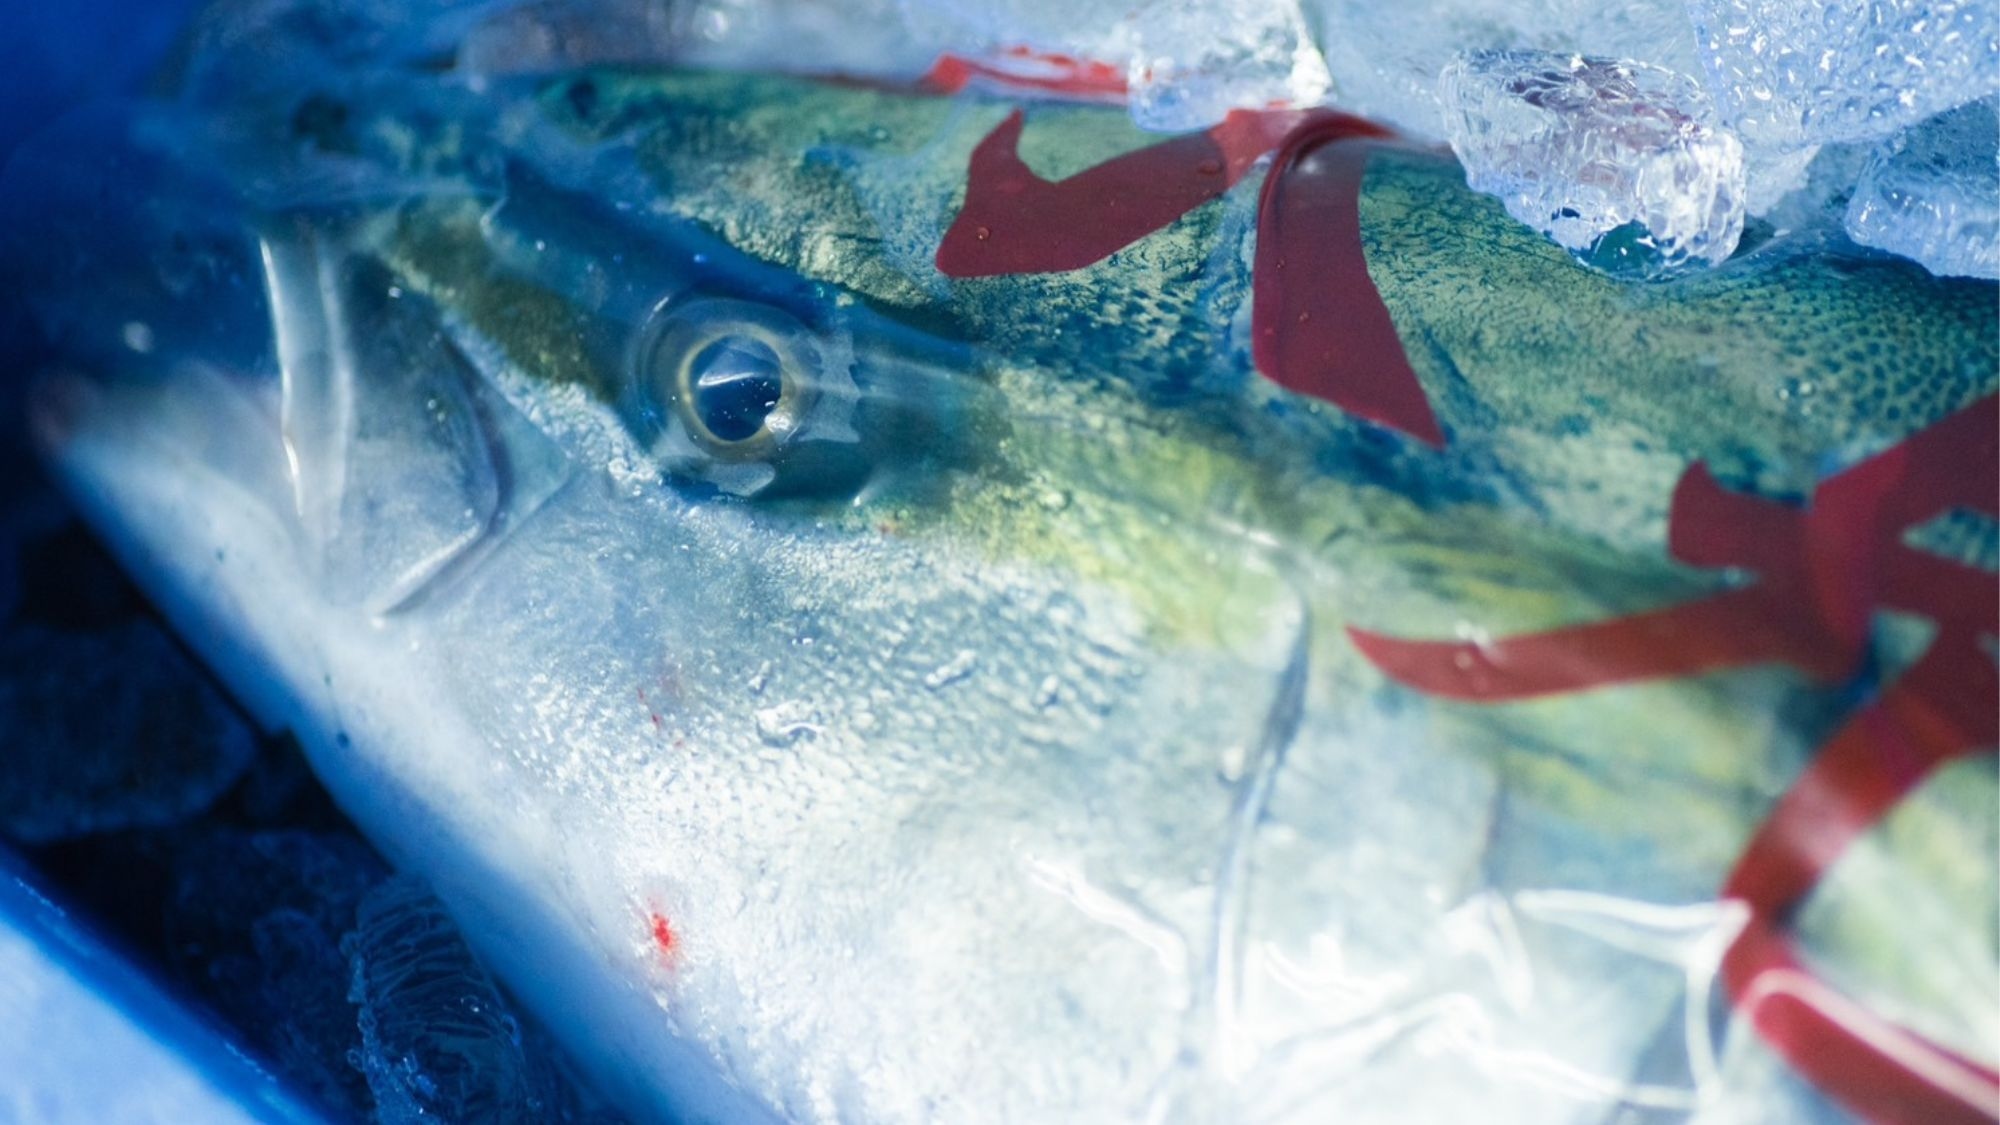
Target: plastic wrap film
[906,596]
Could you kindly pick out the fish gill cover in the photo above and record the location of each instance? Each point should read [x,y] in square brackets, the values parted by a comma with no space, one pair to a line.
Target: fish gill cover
[877,561]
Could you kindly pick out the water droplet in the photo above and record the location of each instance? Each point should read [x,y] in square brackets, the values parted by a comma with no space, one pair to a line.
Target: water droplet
[1047,693]
[953,670]
[1063,611]
[787,723]
[982,233]
[1234,756]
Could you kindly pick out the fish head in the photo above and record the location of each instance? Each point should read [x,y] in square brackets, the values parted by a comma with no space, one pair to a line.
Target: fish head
[921,648]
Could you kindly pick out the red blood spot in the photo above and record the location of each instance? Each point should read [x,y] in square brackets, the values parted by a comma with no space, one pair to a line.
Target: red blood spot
[663,934]
[658,722]
[1822,573]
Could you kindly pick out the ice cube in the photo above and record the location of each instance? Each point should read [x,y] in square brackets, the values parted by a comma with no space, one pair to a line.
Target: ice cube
[353,984]
[1933,194]
[823,36]
[1385,59]
[254,926]
[1099,31]
[1769,175]
[1192,64]
[1613,159]
[108,728]
[550,35]
[1815,199]
[1792,73]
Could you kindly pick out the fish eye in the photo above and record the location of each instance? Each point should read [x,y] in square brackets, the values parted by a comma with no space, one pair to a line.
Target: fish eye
[734,385]
[741,395]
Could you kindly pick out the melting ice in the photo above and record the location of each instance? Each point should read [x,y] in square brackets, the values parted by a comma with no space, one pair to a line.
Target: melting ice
[1756,87]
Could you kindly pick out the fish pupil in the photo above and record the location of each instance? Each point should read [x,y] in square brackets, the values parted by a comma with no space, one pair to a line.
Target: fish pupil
[737,383]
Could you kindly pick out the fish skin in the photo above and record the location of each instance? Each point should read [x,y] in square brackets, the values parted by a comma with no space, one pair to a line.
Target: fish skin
[986,906]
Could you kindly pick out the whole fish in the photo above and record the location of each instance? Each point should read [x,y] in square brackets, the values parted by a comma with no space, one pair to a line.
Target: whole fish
[884,606]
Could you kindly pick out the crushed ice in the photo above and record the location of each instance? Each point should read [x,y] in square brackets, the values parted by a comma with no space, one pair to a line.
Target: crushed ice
[1678,121]
[1182,75]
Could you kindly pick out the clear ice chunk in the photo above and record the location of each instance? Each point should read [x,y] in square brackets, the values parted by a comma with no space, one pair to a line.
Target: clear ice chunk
[354,984]
[1933,194]
[1385,59]
[553,35]
[1192,64]
[254,925]
[1792,73]
[1809,194]
[108,728]
[1614,160]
